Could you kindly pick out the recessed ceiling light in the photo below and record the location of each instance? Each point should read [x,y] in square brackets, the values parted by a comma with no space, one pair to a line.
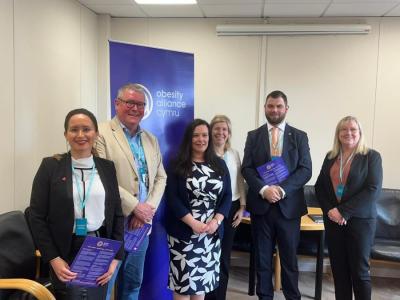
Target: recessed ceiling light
[166,2]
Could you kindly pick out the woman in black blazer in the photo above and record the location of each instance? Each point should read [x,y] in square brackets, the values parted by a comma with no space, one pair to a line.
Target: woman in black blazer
[347,188]
[75,188]
[199,198]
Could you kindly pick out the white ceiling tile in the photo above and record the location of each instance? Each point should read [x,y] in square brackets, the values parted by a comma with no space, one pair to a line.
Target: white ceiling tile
[358,9]
[395,12]
[237,10]
[365,1]
[212,2]
[119,10]
[294,10]
[172,11]
[297,1]
[102,2]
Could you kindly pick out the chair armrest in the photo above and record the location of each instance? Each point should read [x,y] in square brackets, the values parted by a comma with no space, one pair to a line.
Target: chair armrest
[29,286]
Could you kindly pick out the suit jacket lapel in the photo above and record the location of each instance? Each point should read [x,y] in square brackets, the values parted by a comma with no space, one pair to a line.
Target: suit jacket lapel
[68,176]
[288,143]
[123,142]
[265,151]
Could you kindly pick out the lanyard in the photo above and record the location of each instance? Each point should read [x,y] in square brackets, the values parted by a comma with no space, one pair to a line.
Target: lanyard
[82,196]
[341,168]
[138,153]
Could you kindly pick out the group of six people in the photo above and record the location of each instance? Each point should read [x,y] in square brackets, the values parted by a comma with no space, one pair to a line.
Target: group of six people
[113,176]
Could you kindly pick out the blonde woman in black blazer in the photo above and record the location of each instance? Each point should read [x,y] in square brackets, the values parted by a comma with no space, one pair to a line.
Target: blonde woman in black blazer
[54,205]
[347,188]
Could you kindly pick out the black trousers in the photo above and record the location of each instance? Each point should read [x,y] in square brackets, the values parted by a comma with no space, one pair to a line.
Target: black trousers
[225,261]
[63,291]
[268,230]
[349,251]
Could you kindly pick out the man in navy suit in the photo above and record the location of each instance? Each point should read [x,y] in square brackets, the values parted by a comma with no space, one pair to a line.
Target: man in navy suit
[276,210]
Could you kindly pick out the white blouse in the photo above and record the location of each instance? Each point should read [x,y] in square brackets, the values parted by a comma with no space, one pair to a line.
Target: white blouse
[232,160]
[95,204]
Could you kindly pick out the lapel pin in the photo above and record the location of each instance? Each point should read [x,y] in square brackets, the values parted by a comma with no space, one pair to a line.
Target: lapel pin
[64,178]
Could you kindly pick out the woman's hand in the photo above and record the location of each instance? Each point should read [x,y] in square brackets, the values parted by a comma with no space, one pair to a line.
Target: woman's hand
[198,227]
[106,277]
[335,216]
[212,226]
[61,268]
[237,218]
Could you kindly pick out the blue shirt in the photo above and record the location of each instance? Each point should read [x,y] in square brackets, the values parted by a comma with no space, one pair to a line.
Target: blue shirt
[135,143]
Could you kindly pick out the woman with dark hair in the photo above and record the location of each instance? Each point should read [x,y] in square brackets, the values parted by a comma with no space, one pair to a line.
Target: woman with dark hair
[75,195]
[198,200]
[347,188]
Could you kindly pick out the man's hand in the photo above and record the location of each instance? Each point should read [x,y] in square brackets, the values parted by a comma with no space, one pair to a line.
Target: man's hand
[135,223]
[62,270]
[272,194]
[144,212]
[335,216]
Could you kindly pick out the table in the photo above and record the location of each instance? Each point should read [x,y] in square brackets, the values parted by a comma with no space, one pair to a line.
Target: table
[307,224]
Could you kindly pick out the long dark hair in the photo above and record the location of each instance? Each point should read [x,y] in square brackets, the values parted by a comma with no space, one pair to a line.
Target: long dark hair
[182,165]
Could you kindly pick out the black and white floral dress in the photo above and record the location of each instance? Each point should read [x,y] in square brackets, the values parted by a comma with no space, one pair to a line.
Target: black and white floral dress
[194,264]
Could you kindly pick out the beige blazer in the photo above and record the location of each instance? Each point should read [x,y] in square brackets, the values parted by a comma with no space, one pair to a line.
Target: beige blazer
[113,145]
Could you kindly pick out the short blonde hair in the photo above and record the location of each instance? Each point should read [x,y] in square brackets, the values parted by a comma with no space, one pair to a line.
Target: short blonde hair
[361,147]
[225,119]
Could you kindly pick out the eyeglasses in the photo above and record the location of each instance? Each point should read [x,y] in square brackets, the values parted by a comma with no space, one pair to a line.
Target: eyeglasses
[132,104]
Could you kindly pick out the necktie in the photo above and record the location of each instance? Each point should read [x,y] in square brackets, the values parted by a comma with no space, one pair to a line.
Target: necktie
[274,141]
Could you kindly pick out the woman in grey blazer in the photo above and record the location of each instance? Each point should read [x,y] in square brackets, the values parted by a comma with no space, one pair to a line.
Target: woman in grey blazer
[347,188]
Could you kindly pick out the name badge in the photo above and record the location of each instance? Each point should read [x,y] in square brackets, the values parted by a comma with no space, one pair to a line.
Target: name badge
[81,226]
[339,190]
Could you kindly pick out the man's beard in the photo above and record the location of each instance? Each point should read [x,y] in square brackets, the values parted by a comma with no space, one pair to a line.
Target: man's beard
[275,120]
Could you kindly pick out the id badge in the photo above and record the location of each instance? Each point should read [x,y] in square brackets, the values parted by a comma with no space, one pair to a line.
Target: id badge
[145,179]
[339,190]
[81,226]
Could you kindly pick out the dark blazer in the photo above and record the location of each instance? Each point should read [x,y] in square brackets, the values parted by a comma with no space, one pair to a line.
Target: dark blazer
[295,153]
[52,207]
[362,189]
[178,204]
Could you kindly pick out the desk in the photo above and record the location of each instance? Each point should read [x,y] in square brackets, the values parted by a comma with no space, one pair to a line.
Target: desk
[306,225]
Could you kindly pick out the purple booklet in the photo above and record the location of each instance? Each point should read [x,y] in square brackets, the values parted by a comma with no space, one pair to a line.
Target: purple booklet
[274,171]
[93,260]
[134,238]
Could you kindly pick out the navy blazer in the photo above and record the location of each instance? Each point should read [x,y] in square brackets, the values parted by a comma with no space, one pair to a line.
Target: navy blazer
[362,189]
[52,206]
[296,155]
[178,204]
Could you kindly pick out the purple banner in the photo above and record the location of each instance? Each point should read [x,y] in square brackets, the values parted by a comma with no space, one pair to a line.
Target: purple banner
[93,260]
[168,80]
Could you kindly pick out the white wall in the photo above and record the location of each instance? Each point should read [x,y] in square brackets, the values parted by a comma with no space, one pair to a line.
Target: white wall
[54,58]
[50,56]
[325,78]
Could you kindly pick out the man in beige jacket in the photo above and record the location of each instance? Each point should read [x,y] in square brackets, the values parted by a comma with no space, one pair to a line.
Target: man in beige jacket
[141,176]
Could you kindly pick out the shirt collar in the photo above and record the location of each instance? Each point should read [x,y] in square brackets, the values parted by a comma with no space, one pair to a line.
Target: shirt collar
[126,130]
[281,126]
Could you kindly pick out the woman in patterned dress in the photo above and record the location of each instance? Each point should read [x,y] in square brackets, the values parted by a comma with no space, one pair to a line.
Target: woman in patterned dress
[198,199]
